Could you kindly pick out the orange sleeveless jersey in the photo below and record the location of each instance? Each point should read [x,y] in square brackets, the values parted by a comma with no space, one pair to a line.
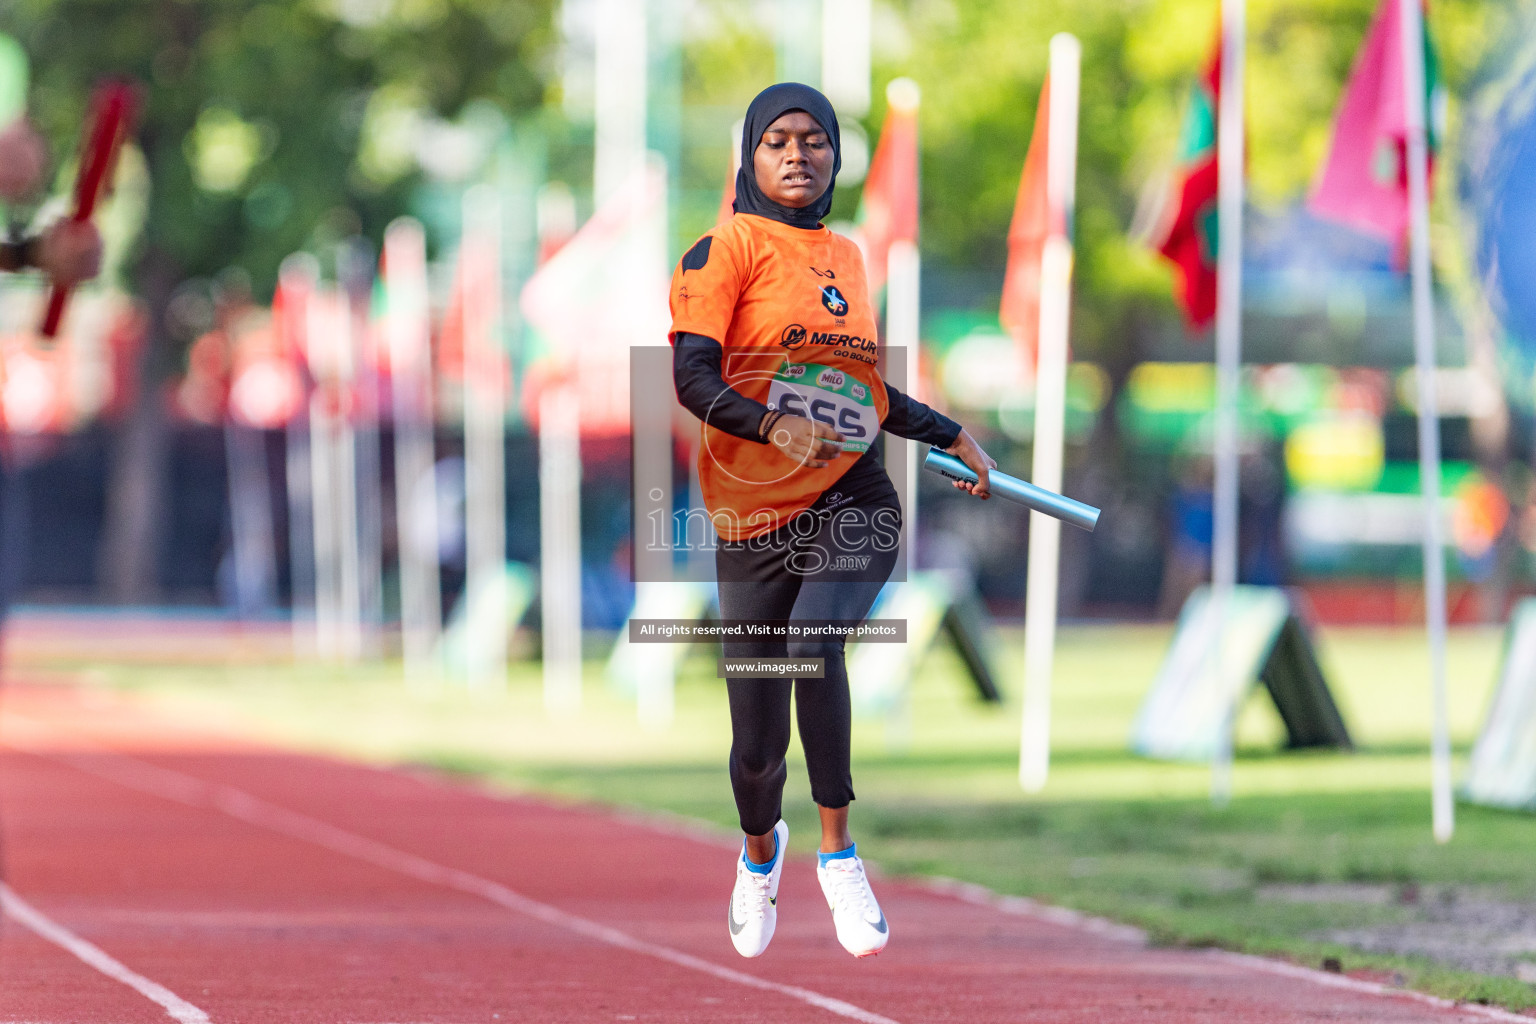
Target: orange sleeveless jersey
[792,310]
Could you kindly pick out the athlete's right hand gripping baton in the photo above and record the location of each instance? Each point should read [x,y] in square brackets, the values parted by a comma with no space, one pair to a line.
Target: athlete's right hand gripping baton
[1084,517]
[112,112]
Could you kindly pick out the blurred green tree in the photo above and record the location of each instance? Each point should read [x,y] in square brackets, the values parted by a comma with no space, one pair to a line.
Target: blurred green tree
[278,125]
[267,126]
[982,63]
[265,121]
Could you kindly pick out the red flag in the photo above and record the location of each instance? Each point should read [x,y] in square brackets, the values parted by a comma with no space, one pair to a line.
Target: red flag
[458,354]
[1365,181]
[604,292]
[1190,241]
[449,351]
[728,195]
[888,208]
[1020,309]
[483,361]
[266,389]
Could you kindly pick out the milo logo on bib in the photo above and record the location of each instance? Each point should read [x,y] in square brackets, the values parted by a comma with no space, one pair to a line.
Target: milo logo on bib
[827,395]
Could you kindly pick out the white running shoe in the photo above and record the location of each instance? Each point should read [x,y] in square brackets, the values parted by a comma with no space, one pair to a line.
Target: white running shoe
[861,926]
[753,909]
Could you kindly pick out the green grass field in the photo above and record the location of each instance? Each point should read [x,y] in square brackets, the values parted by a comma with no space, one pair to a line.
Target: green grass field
[1311,844]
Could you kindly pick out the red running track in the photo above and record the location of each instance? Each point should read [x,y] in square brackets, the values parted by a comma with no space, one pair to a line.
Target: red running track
[154,874]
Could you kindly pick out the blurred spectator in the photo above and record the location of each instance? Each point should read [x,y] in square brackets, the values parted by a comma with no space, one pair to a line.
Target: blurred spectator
[1188,560]
[1261,510]
[66,251]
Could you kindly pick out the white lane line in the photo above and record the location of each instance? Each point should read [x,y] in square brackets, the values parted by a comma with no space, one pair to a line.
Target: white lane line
[1343,981]
[982,896]
[1023,906]
[700,830]
[194,792]
[24,913]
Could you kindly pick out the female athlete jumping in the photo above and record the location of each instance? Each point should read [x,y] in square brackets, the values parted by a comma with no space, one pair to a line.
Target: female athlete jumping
[776,351]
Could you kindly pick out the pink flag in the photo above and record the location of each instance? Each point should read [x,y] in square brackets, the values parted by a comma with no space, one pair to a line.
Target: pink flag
[1365,182]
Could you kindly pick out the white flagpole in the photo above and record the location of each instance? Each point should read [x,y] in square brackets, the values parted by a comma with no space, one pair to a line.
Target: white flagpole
[355,273]
[405,270]
[560,546]
[333,468]
[903,312]
[298,275]
[655,691]
[345,523]
[484,438]
[798,51]
[324,487]
[619,93]
[1050,413]
[845,32]
[1229,311]
[903,318]
[1411,20]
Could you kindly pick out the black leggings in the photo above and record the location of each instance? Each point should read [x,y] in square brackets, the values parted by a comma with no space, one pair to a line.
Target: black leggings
[827,566]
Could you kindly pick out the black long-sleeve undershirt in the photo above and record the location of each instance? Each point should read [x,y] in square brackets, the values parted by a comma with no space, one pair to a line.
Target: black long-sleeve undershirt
[702,389]
[909,418]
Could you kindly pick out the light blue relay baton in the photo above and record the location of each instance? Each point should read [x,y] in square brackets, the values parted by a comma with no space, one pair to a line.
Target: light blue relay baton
[1084,517]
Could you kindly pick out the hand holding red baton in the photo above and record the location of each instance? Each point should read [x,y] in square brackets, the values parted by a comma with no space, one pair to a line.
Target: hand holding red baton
[113,107]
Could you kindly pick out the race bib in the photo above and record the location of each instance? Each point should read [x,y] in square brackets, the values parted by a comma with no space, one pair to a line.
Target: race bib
[827,395]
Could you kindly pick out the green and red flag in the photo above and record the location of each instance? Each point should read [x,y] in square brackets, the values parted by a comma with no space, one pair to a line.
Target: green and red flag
[1365,181]
[1189,241]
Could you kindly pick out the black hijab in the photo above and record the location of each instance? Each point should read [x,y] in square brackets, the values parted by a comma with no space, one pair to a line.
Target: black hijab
[770,105]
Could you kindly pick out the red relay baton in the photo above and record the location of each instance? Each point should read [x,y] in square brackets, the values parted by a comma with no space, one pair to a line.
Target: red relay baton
[112,110]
